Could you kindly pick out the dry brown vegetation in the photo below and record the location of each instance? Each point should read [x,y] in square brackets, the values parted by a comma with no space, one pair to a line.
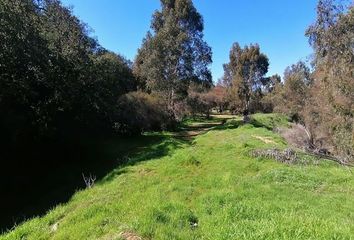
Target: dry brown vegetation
[322,101]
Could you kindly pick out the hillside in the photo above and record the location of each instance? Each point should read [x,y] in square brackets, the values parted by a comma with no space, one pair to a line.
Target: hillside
[204,185]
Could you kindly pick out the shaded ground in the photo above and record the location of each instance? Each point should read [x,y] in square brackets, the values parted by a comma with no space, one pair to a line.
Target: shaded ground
[55,174]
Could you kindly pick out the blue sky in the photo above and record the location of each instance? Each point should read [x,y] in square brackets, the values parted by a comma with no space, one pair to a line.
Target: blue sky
[278,26]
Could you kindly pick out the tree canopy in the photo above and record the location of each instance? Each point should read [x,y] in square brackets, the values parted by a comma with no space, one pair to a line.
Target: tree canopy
[246,72]
[174,54]
[330,111]
[55,78]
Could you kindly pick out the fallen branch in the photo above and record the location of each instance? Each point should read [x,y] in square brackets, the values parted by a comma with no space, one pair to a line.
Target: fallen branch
[328,157]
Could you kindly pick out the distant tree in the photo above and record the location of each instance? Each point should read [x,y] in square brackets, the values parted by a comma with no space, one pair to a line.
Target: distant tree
[272,94]
[226,80]
[201,102]
[221,99]
[295,92]
[174,54]
[247,67]
[270,83]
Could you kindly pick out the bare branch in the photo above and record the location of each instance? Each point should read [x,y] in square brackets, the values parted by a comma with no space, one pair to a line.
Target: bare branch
[89,181]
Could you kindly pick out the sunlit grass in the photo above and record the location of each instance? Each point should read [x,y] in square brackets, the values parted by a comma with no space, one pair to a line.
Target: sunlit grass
[208,189]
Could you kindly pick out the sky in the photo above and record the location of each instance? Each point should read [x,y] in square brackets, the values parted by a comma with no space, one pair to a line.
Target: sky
[278,26]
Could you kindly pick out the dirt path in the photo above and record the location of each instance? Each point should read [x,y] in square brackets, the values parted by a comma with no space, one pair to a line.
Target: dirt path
[196,130]
[199,128]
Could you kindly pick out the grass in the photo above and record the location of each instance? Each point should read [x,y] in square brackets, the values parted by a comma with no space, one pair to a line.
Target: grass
[31,189]
[209,188]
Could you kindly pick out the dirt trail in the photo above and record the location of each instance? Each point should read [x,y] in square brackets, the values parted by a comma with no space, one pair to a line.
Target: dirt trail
[196,129]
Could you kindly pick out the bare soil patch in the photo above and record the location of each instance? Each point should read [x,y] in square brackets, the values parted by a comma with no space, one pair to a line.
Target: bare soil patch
[130,236]
[266,140]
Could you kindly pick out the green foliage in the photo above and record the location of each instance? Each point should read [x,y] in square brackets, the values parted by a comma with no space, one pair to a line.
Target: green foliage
[58,84]
[323,100]
[210,189]
[201,103]
[56,81]
[270,121]
[113,78]
[290,98]
[23,67]
[138,112]
[330,111]
[270,84]
[245,75]
[58,87]
[175,54]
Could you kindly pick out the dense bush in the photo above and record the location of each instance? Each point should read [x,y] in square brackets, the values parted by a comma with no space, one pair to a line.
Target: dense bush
[56,81]
[323,100]
[290,98]
[329,112]
[201,102]
[138,112]
[220,97]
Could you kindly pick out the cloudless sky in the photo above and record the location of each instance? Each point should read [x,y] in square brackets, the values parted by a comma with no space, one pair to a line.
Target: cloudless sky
[278,26]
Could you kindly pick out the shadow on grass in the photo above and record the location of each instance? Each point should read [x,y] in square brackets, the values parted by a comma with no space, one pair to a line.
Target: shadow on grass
[259,124]
[155,151]
[231,124]
[269,123]
[38,178]
[192,127]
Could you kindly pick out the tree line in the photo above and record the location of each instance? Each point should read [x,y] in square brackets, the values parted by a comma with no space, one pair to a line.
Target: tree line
[319,96]
[57,82]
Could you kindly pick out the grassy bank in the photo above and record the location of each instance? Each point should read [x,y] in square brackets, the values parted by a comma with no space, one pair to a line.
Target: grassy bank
[208,188]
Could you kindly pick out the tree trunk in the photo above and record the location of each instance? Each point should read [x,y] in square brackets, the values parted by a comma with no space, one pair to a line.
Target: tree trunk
[246,117]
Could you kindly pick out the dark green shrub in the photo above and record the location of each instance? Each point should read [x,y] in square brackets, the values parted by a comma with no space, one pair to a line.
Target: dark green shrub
[138,112]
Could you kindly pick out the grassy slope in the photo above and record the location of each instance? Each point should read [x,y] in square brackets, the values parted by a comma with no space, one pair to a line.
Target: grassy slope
[214,185]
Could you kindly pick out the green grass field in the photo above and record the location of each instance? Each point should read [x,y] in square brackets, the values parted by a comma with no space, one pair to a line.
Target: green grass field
[207,188]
